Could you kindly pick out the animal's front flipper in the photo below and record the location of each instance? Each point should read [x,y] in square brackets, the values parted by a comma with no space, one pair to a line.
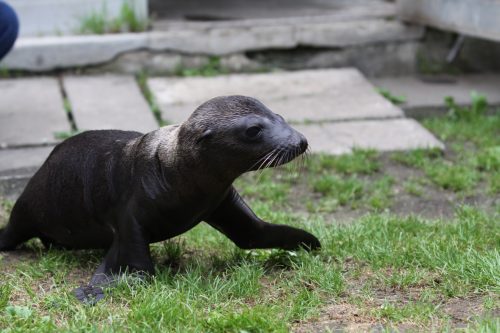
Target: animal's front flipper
[93,292]
[237,221]
[128,254]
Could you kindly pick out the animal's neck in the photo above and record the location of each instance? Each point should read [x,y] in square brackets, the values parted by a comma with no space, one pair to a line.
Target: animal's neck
[187,168]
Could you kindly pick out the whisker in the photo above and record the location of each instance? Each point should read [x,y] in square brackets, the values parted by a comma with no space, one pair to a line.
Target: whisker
[274,158]
[263,159]
[253,165]
[290,160]
[268,158]
[282,158]
[262,165]
[305,157]
[291,156]
[266,163]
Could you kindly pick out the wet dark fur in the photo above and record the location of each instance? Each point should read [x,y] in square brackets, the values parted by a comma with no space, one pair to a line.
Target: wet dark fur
[121,190]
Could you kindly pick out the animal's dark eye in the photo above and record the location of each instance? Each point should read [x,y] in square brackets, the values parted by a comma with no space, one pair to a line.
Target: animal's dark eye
[253,131]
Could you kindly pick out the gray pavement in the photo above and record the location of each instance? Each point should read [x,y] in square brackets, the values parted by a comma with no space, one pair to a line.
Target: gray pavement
[31,111]
[17,166]
[22,158]
[381,135]
[108,102]
[337,110]
[315,95]
[424,97]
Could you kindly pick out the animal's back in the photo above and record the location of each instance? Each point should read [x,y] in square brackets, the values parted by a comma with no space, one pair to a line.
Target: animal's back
[67,197]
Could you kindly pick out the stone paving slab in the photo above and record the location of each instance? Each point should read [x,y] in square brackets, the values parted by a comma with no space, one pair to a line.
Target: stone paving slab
[52,52]
[425,95]
[354,28]
[12,159]
[468,17]
[17,166]
[108,102]
[31,111]
[382,135]
[316,95]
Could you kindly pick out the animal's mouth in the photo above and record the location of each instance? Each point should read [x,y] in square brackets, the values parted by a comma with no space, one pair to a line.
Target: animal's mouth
[279,156]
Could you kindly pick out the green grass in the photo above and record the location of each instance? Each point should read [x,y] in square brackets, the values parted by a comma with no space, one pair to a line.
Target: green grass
[213,67]
[216,287]
[95,23]
[413,187]
[416,311]
[473,155]
[61,135]
[455,251]
[4,72]
[343,190]
[394,99]
[98,22]
[142,81]
[361,161]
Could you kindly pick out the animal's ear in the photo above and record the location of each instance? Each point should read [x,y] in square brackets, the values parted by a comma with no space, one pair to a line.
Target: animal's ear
[205,135]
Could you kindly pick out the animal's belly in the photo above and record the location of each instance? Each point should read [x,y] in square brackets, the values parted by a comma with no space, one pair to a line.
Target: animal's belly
[93,236]
[168,230]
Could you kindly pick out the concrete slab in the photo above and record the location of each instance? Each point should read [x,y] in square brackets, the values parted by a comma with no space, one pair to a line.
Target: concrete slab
[48,53]
[426,97]
[316,95]
[31,111]
[230,37]
[17,166]
[23,158]
[386,135]
[108,102]
[469,17]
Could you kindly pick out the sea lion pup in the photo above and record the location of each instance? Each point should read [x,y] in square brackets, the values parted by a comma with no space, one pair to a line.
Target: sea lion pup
[122,190]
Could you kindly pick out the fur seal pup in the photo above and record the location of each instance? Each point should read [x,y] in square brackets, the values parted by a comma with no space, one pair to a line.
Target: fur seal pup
[122,190]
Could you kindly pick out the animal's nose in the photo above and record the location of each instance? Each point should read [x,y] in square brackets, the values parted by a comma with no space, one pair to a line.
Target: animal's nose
[303,143]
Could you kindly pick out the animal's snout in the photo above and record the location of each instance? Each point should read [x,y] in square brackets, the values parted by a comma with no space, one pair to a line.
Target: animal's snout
[303,144]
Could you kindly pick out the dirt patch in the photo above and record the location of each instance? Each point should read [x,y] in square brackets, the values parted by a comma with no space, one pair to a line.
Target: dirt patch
[463,310]
[9,260]
[341,317]
[355,310]
[346,317]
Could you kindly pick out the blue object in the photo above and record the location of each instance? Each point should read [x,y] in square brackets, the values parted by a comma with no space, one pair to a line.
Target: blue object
[9,28]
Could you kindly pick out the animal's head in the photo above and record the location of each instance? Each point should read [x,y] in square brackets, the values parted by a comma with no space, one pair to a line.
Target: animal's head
[241,133]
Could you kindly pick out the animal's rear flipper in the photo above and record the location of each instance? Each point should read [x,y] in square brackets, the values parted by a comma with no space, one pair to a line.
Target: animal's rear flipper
[20,227]
[8,241]
[10,238]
